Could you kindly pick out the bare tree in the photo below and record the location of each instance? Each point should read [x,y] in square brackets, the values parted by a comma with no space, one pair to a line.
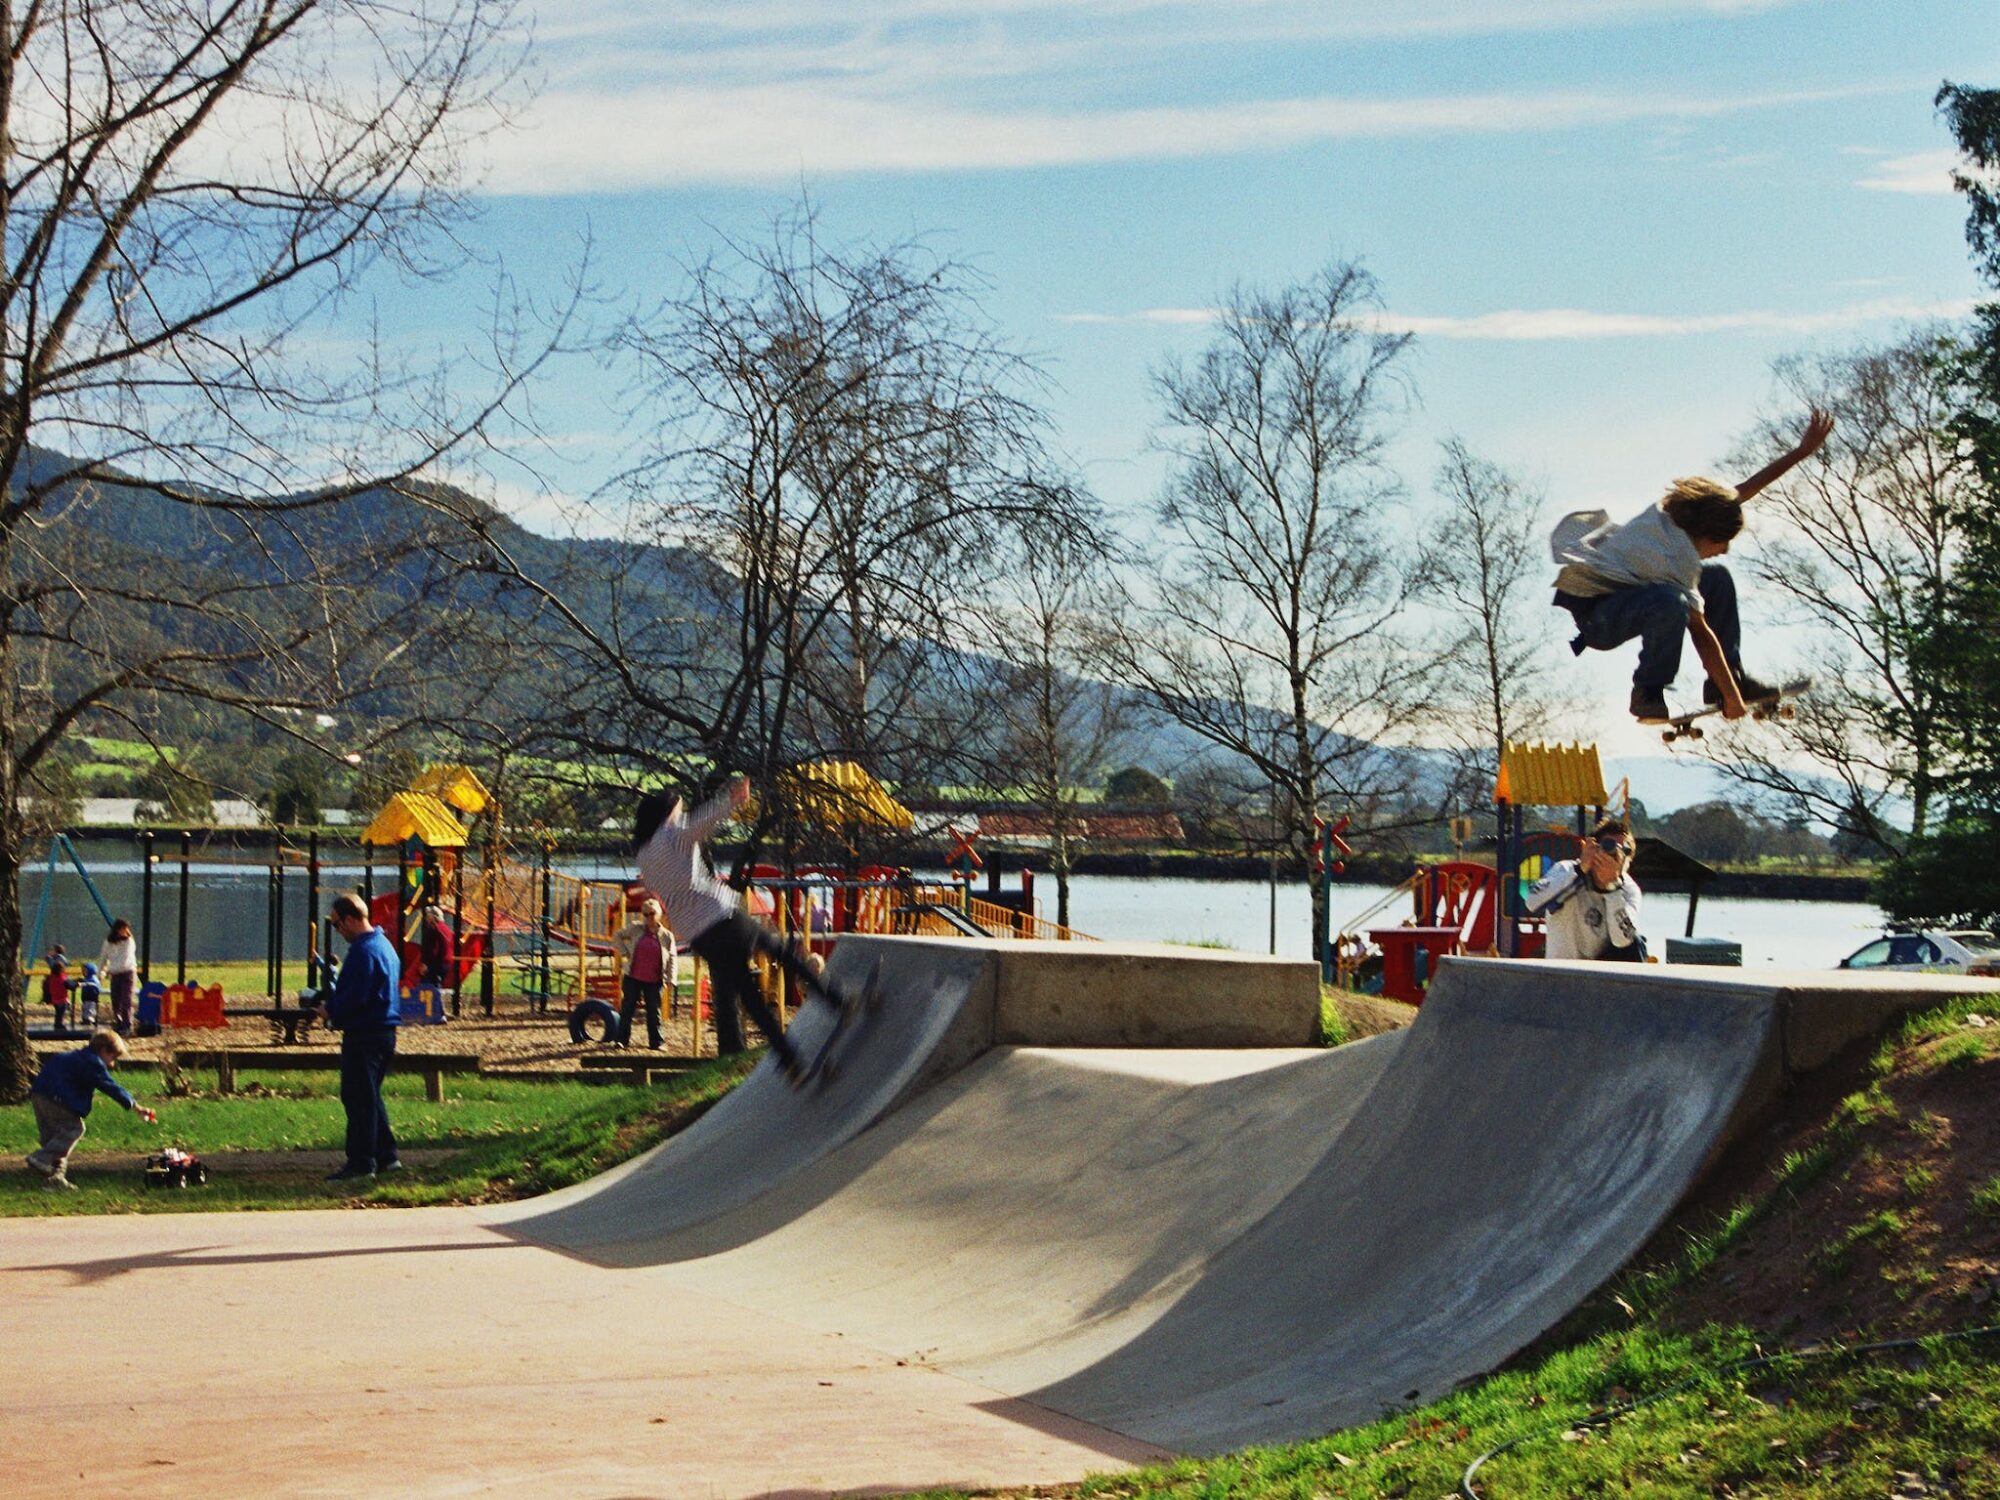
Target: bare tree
[842,444]
[1274,626]
[1487,554]
[184,188]
[1863,544]
[1059,719]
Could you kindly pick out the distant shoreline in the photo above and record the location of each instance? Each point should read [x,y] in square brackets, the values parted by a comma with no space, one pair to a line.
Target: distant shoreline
[339,846]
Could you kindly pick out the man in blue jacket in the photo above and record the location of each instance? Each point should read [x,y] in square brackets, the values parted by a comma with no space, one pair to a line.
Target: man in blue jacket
[61,1096]
[363,1007]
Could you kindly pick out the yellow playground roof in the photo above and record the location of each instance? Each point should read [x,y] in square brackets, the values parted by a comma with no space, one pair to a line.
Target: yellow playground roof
[419,816]
[1550,776]
[455,786]
[838,792]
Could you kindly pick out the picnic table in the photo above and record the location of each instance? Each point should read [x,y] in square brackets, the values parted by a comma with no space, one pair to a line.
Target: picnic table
[227,1060]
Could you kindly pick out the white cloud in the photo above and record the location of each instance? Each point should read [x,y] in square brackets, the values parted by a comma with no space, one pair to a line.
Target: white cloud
[1541,325]
[642,93]
[599,141]
[1925,172]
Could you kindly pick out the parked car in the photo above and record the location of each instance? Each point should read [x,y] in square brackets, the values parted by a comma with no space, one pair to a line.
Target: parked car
[1965,952]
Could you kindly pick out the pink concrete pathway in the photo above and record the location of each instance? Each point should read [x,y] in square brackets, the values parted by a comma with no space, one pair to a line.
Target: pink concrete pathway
[420,1353]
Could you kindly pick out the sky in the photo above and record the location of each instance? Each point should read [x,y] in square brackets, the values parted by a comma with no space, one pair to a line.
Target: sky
[1603,219]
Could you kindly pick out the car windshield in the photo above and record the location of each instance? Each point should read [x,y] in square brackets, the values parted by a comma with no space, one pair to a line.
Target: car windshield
[1978,942]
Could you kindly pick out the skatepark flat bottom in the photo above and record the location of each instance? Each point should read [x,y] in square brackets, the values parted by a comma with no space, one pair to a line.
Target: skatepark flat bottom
[420,1354]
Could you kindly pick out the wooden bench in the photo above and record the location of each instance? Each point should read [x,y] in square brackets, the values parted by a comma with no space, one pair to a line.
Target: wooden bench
[644,1068]
[296,1020]
[226,1060]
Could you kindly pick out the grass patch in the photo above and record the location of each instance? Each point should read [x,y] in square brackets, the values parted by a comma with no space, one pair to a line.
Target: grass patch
[494,1138]
[1332,1029]
[1986,1199]
[1965,1050]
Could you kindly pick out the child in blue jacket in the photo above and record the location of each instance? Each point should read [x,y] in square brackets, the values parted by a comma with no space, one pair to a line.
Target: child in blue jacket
[62,1094]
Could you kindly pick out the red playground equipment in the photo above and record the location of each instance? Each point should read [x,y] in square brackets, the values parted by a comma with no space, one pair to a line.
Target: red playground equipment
[1461,906]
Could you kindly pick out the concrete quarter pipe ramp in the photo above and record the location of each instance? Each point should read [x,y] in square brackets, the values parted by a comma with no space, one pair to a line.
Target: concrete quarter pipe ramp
[1205,1250]
[1020,1239]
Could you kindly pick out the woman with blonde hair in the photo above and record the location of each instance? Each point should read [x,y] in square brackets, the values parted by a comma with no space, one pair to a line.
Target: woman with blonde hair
[647,949]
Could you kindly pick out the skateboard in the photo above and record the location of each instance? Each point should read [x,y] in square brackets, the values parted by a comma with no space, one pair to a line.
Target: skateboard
[856,1011]
[1684,727]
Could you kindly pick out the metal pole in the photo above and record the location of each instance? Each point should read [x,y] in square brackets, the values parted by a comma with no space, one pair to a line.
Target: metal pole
[278,931]
[457,928]
[486,952]
[314,947]
[145,908]
[181,955]
[274,935]
[548,921]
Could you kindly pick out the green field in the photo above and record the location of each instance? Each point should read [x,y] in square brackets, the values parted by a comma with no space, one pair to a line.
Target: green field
[492,1138]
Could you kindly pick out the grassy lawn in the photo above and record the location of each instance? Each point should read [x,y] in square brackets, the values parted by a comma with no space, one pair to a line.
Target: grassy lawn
[1835,1428]
[493,1138]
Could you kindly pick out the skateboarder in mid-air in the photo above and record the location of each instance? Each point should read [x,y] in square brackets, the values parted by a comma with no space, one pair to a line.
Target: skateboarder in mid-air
[1653,578]
[709,918]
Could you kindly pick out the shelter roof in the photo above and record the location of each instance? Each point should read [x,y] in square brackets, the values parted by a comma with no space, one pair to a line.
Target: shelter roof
[455,786]
[1537,775]
[1657,860]
[838,793]
[419,816]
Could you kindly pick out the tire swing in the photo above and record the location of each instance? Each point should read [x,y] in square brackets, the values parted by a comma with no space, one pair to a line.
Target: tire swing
[588,1013]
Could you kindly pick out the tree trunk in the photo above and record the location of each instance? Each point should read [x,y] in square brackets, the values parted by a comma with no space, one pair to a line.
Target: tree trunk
[17,1062]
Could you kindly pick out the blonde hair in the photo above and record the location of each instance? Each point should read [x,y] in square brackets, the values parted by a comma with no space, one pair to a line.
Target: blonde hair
[105,1037]
[1706,509]
[650,906]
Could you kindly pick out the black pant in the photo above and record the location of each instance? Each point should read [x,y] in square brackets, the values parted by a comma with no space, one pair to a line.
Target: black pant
[636,991]
[726,949]
[364,1061]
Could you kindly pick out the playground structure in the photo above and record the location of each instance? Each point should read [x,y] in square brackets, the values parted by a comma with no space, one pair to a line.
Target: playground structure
[526,929]
[1461,906]
[552,934]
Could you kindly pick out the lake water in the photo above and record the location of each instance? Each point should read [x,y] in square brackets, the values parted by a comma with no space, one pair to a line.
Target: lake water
[226,912]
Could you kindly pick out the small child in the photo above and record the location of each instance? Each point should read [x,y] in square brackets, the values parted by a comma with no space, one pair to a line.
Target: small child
[88,992]
[1652,578]
[62,1094]
[55,986]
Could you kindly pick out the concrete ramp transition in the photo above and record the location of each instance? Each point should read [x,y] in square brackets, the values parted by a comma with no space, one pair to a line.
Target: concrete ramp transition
[1203,1248]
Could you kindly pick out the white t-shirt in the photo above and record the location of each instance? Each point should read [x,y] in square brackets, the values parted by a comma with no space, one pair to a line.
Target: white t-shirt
[1598,555]
[1584,922]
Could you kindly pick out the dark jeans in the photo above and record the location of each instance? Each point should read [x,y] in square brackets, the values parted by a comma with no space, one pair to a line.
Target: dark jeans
[726,948]
[636,991]
[1658,615]
[364,1060]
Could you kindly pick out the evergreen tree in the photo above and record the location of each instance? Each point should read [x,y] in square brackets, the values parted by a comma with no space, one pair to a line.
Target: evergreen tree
[1950,875]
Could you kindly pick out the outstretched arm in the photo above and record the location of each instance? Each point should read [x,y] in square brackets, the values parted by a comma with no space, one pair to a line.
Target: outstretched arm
[1818,426]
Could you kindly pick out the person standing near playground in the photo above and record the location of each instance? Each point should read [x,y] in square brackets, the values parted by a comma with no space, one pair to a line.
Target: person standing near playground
[61,1096]
[1654,578]
[118,962]
[88,993]
[646,947]
[1591,903]
[708,917]
[55,986]
[363,1008]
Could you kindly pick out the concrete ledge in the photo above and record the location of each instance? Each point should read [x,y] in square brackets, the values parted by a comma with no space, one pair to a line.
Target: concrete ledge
[1037,993]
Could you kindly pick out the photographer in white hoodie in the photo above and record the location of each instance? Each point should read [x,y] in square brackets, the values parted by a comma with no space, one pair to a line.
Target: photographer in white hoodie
[1591,903]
